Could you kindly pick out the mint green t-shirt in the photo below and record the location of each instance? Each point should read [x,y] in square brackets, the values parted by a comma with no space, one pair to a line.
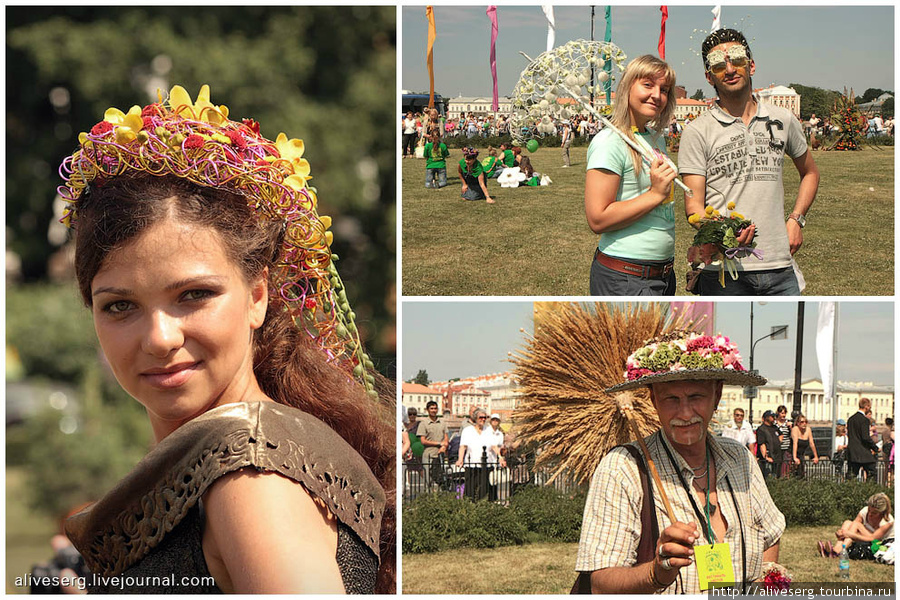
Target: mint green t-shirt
[653,236]
[435,159]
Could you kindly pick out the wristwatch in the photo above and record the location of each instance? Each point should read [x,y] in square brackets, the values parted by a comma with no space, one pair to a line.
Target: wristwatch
[801,220]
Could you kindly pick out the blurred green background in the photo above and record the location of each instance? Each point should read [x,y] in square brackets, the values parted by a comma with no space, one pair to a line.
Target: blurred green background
[323,74]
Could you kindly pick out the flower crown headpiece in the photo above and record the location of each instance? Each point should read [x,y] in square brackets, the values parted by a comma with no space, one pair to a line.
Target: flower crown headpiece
[682,355]
[197,142]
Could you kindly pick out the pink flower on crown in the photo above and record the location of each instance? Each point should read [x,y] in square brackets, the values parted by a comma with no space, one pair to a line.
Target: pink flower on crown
[703,341]
[637,373]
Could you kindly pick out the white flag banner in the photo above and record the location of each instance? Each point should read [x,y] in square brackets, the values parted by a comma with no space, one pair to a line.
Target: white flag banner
[825,348]
[551,26]
[717,18]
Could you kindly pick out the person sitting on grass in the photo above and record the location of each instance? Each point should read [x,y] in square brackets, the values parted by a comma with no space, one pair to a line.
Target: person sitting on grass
[436,154]
[491,165]
[509,157]
[474,186]
[874,522]
[532,179]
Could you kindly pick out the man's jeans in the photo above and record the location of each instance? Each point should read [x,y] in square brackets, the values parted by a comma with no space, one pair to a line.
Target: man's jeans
[774,282]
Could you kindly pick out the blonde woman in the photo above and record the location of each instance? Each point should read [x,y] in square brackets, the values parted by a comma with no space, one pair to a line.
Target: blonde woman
[874,522]
[629,203]
[802,442]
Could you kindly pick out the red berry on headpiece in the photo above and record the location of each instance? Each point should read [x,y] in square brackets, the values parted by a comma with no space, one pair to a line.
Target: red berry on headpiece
[193,141]
[236,138]
[252,125]
[101,128]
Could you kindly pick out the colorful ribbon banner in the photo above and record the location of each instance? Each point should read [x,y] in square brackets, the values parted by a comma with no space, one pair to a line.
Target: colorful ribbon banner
[495,29]
[662,32]
[429,54]
[607,85]
[551,27]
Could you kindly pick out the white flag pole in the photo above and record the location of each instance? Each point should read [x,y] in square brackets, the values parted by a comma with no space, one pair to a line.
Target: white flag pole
[551,26]
[717,18]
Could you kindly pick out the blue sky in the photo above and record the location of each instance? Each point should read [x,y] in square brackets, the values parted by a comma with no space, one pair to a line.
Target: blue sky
[825,46]
[466,338]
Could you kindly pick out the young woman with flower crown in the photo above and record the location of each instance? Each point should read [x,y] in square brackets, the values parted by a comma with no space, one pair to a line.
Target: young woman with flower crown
[629,205]
[474,186]
[212,287]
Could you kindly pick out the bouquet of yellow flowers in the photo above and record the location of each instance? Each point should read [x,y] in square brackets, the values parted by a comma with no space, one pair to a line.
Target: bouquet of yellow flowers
[716,240]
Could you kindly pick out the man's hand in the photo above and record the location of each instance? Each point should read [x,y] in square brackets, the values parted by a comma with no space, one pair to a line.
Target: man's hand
[795,235]
[675,550]
[746,235]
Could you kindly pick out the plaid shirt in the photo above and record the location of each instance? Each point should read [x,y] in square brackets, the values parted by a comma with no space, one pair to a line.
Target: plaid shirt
[611,529]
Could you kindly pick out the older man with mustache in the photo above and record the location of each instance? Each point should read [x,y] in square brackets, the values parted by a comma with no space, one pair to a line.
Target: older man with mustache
[726,524]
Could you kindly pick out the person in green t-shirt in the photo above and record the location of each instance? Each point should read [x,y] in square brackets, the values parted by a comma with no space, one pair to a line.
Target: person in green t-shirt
[509,157]
[474,186]
[492,165]
[436,154]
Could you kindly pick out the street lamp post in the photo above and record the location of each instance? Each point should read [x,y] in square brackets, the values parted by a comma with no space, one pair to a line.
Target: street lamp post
[750,390]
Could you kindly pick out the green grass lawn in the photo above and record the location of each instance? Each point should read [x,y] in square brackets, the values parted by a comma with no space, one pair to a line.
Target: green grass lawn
[549,568]
[536,242]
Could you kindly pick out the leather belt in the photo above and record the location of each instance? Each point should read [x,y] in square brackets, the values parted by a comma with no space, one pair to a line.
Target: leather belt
[642,271]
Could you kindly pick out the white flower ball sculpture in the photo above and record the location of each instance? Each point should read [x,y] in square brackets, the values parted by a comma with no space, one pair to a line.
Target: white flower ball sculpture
[540,96]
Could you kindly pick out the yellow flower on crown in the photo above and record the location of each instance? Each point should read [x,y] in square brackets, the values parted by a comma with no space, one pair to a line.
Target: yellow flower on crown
[128,125]
[694,218]
[731,205]
[291,150]
[709,211]
[201,110]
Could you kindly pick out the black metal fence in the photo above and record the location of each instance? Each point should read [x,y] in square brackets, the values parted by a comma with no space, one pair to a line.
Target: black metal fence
[481,479]
[484,479]
[828,470]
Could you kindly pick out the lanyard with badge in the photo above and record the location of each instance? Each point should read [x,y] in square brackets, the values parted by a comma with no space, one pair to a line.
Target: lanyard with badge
[714,565]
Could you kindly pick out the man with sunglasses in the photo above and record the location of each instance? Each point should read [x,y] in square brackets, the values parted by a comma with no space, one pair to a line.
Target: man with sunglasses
[734,152]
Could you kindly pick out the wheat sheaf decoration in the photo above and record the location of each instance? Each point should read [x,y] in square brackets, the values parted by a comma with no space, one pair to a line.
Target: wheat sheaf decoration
[576,353]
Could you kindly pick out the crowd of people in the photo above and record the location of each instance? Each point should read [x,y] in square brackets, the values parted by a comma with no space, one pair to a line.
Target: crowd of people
[876,125]
[484,126]
[782,446]
[477,451]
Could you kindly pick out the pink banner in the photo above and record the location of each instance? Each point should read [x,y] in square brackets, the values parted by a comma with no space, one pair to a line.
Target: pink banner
[701,314]
[495,29]
[662,32]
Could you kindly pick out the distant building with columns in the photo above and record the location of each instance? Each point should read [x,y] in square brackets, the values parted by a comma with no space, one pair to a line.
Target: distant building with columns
[782,96]
[480,106]
[812,403]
